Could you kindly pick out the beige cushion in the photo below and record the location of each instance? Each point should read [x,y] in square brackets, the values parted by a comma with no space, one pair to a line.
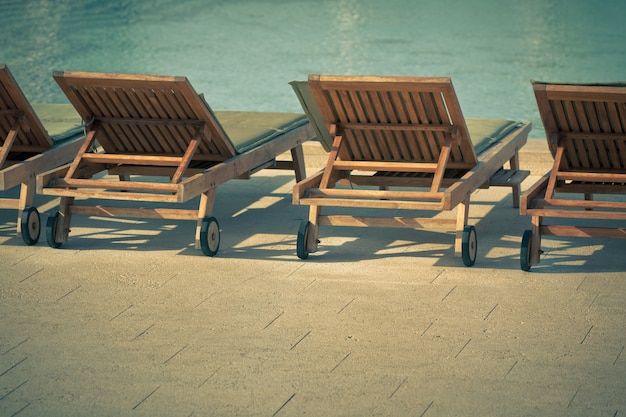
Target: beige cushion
[247,130]
[486,132]
[60,120]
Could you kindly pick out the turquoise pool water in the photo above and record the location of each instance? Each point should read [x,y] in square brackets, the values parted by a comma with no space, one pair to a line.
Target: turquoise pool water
[242,53]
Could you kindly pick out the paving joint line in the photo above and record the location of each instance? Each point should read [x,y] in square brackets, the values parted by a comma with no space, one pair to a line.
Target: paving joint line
[121,312]
[209,377]
[68,293]
[13,367]
[13,390]
[573,397]
[301,339]
[346,306]
[143,332]
[176,354]
[273,320]
[21,409]
[463,348]
[510,369]
[427,328]
[398,387]
[619,355]
[427,408]
[586,335]
[449,292]
[146,398]
[31,275]
[16,346]
[341,361]
[490,311]
[284,404]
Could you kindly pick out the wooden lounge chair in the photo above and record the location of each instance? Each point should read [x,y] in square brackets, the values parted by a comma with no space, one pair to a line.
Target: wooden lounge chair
[401,143]
[26,149]
[155,139]
[585,127]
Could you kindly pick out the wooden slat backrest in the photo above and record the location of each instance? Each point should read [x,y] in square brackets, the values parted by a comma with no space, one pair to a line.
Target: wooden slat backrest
[588,122]
[145,114]
[13,106]
[400,119]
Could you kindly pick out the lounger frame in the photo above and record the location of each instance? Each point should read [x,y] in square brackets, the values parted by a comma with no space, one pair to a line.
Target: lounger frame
[26,150]
[153,139]
[582,195]
[401,143]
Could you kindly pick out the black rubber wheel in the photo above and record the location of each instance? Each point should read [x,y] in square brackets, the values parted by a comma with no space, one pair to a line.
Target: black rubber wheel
[210,236]
[524,255]
[31,225]
[51,230]
[469,245]
[303,235]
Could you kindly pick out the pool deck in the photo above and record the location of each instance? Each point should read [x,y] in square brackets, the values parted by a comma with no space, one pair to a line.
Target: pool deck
[127,318]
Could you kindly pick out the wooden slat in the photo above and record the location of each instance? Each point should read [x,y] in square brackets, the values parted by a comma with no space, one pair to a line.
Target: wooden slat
[12,113]
[9,203]
[593,136]
[603,177]
[397,181]
[86,193]
[147,213]
[576,214]
[391,222]
[385,166]
[585,204]
[149,122]
[366,203]
[116,185]
[508,177]
[397,127]
[376,194]
[156,160]
[579,231]
[592,188]
[584,92]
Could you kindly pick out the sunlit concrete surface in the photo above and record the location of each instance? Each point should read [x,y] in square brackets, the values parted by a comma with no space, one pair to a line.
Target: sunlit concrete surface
[128,318]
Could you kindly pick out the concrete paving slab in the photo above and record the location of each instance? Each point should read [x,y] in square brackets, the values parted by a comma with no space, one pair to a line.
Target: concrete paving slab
[127,318]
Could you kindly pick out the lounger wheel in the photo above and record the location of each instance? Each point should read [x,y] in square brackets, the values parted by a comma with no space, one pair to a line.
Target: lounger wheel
[210,236]
[51,230]
[303,236]
[31,225]
[524,256]
[469,245]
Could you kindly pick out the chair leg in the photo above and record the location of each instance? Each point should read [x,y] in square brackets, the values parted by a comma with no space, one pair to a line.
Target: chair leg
[299,167]
[27,196]
[65,211]
[205,209]
[461,222]
[313,236]
[535,242]
[516,189]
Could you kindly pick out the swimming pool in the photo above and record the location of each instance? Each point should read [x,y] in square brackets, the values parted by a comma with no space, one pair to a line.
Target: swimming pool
[242,53]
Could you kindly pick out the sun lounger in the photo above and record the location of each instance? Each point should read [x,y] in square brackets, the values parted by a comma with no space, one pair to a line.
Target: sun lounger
[155,139]
[401,143]
[31,142]
[584,191]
